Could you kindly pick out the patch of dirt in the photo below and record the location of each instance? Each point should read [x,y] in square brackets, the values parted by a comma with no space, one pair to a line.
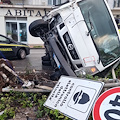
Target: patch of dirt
[24,113]
[41,78]
[8,76]
[27,114]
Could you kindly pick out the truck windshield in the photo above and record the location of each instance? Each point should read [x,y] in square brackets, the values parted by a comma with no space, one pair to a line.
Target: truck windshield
[101,29]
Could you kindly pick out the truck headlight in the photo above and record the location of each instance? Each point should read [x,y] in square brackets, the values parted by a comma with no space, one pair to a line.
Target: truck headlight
[86,70]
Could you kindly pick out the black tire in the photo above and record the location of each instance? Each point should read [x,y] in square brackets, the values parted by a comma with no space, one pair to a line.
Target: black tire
[46,63]
[21,54]
[46,58]
[55,76]
[38,28]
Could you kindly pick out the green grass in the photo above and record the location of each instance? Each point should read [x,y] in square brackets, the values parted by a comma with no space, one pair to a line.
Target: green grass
[10,102]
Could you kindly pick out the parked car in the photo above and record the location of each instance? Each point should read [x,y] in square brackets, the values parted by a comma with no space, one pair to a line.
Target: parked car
[11,49]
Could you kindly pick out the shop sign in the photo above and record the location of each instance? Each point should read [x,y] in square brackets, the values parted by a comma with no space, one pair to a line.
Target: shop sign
[74,97]
[25,12]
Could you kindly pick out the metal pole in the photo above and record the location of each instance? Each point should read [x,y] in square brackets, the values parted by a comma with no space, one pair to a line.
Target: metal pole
[113,70]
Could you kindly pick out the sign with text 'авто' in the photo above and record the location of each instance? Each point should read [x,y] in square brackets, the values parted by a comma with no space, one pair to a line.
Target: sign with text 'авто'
[74,97]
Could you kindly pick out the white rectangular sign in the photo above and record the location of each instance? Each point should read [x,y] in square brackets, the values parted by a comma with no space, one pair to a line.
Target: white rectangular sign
[74,97]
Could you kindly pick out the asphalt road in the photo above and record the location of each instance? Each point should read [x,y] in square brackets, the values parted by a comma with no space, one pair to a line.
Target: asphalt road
[32,61]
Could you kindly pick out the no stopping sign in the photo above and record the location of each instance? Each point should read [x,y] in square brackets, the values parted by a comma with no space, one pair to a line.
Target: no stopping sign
[107,107]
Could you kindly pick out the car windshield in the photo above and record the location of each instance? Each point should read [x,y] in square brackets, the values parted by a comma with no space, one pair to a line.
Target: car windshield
[101,29]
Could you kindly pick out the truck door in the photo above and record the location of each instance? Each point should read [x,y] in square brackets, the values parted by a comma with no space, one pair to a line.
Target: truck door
[102,29]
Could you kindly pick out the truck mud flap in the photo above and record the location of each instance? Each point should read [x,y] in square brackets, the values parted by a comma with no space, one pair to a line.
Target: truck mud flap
[65,65]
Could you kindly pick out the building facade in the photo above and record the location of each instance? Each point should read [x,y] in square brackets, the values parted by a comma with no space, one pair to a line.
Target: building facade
[17,15]
[115,7]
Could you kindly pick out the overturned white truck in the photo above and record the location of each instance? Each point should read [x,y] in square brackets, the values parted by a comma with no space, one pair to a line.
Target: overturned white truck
[80,37]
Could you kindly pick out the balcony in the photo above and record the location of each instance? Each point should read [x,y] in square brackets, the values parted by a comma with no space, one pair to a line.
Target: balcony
[32,2]
[48,4]
[24,2]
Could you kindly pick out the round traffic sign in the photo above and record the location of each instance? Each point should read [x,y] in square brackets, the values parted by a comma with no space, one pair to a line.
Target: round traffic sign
[107,107]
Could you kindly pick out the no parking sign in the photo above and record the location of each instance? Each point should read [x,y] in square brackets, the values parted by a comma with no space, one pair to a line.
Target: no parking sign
[74,97]
[107,107]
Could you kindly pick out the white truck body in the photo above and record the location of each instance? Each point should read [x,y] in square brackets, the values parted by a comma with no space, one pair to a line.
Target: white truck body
[88,33]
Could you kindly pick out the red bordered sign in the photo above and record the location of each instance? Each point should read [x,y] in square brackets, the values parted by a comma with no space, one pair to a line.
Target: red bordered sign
[107,107]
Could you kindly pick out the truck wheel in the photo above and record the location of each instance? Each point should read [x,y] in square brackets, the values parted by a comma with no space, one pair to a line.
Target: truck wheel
[55,76]
[46,63]
[21,54]
[46,58]
[38,28]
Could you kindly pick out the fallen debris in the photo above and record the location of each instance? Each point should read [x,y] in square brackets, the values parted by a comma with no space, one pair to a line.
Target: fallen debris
[37,81]
[12,72]
[26,90]
[22,82]
[8,77]
[44,87]
[1,112]
[28,84]
[111,85]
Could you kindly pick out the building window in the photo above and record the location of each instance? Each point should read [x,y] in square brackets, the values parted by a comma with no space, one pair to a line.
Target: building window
[17,30]
[54,2]
[116,3]
[6,1]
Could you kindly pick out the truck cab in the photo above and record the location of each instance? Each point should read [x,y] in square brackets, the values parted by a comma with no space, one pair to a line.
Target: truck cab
[81,37]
